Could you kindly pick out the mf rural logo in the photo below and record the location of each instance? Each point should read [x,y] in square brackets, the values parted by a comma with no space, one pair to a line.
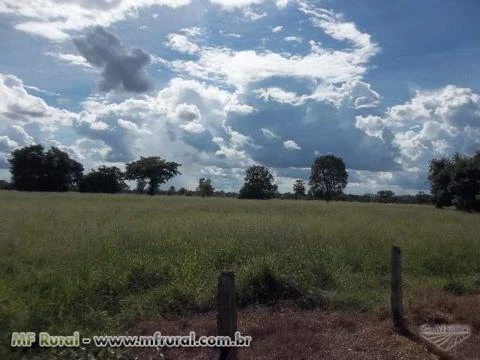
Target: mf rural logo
[445,337]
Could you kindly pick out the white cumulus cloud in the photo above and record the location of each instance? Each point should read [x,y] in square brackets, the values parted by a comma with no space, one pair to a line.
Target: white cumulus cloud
[291,145]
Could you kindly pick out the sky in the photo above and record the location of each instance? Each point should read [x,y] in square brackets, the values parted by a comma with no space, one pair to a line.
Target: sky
[220,85]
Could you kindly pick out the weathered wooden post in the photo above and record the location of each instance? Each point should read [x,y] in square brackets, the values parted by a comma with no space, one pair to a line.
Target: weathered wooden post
[226,313]
[397,293]
[398,316]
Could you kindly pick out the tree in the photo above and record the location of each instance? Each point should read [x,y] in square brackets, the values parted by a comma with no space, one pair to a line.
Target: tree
[258,184]
[328,177]
[153,170]
[182,191]
[299,188]
[422,198]
[5,185]
[465,184]
[103,180]
[171,190]
[33,169]
[205,187]
[440,175]
[141,184]
[456,181]
[386,196]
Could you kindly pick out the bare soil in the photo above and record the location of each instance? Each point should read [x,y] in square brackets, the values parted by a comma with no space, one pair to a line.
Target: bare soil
[289,333]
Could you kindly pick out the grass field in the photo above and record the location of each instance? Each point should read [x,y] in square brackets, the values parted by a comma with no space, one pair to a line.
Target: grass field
[100,263]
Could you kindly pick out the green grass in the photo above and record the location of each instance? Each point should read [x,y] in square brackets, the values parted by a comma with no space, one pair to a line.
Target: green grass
[99,263]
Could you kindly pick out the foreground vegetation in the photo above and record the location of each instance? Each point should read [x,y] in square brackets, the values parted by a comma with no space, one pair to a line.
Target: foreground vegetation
[100,263]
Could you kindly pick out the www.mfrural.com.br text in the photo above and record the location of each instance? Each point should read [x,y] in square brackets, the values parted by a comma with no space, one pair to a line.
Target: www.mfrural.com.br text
[46,340]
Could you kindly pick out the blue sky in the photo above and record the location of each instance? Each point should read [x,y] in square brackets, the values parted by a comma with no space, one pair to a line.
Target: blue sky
[219,85]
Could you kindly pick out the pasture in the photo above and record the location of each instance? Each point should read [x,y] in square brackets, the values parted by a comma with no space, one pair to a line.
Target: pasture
[101,263]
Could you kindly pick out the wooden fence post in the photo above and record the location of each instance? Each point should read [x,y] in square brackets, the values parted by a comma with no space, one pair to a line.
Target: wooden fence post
[227,313]
[397,293]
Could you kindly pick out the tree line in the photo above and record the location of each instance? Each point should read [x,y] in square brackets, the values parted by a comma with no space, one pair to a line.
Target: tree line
[456,181]
[34,168]
[453,181]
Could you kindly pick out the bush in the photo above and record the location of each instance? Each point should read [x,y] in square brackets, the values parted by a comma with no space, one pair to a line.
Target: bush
[267,289]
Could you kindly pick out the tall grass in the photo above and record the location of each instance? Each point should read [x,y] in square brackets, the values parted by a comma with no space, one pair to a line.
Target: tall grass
[99,263]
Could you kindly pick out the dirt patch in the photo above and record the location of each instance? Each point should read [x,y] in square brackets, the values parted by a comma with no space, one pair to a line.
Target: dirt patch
[436,307]
[291,333]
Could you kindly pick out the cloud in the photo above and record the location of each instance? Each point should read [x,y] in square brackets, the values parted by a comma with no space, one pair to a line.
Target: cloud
[234,35]
[281,3]
[433,123]
[54,19]
[192,31]
[277,29]
[71,59]
[187,112]
[41,91]
[241,68]
[50,30]
[355,94]
[334,25]
[402,181]
[18,106]
[181,43]
[372,125]
[186,120]
[252,15]
[279,95]
[231,5]
[269,134]
[90,151]
[6,144]
[293,39]
[291,145]
[322,127]
[122,68]
[25,118]
[194,127]
[325,66]
[18,135]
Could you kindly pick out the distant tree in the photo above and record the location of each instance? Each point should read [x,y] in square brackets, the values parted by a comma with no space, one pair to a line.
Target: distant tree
[440,173]
[299,188]
[328,177]
[182,191]
[103,180]
[219,193]
[288,196]
[205,187]
[141,185]
[27,168]
[386,196]
[5,185]
[153,170]
[171,190]
[33,169]
[62,172]
[456,181]
[258,184]
[465,183]
[422,198]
